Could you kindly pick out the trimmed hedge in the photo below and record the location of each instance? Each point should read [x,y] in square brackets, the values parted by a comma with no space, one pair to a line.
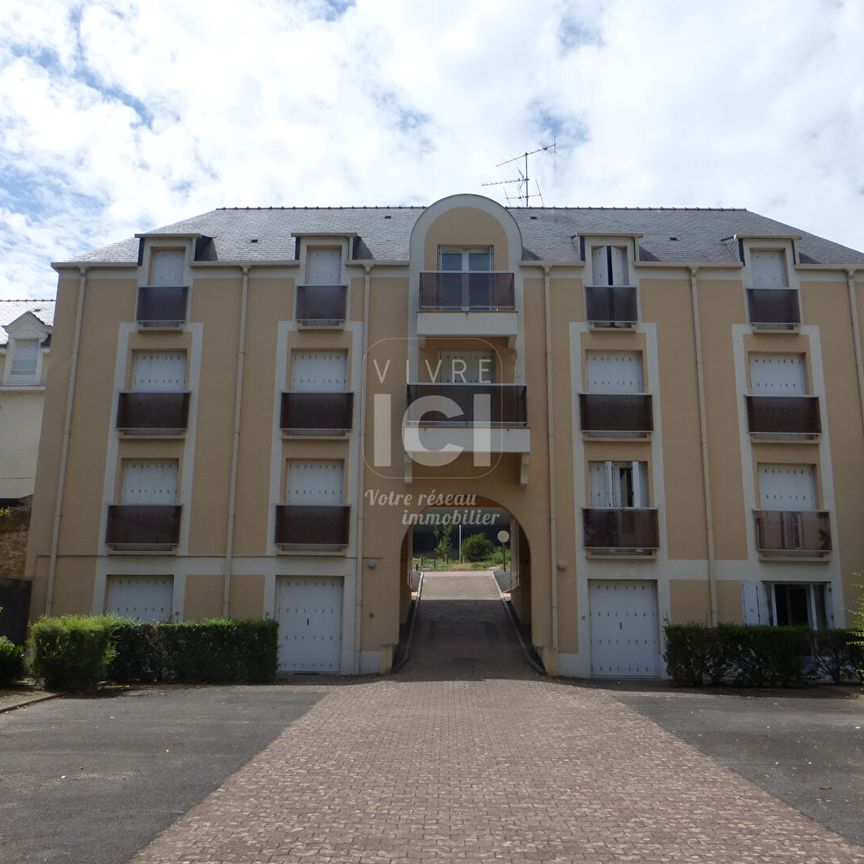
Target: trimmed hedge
[11,662]
[76,652]
[759,655]
[477,547]
[71,652]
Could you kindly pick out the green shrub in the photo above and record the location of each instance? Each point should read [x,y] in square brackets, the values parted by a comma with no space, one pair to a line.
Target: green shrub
[838,655]
[769,656]
[11,662]
[212,651]
[477,547]
[71,652]
[696,654]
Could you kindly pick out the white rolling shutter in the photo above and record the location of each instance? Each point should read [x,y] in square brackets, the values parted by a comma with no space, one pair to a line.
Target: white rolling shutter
[787,487]
[777,375]
[609,265]
[319,371]
[150,481]
[323,266]
[142,598]
[466,367]
[25,356]
[314,483]
[768,268]
[614,372]
[168,267]
[159,371]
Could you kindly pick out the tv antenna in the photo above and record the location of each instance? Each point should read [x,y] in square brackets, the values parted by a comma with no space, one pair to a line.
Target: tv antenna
[523,194]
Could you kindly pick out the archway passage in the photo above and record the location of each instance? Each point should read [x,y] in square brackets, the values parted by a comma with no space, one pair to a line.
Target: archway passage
[466,620]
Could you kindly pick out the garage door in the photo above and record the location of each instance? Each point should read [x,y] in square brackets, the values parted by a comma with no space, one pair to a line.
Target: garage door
[309,612]
[624,629]
[143,598]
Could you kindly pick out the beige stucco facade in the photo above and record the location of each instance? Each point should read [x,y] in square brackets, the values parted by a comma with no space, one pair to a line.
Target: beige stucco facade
[241,339]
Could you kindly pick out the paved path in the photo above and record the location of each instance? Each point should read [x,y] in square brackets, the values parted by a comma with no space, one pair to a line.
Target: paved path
[470,756]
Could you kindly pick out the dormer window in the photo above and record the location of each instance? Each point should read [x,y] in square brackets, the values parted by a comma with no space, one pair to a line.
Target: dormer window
[25,357]
[768,268]
[609,265]
[168,267]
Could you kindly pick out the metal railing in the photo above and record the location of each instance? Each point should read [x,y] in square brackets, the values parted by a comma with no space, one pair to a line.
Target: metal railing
[624,529]
[159,413]
[803,533]
[311,413]
[777,416]
[321,305]
[302,525]
[611,305]
[497,404]
[162,305]
[453,291]
[143,525]
[774,306]
[616,413]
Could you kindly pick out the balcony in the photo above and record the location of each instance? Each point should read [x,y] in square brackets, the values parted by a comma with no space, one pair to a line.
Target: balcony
[473,417]
[143,527]
[321,306]
[305,526]
[793,533]
[780,418]
[774,308]
[162,307]
[624,531]
[616,415]
[467,304]
[153,413]
[611,306]
[316,413]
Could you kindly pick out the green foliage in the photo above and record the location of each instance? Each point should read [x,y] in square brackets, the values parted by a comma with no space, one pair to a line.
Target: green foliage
[71,652]
[11,662]
[477,547]
[213,651]
[443,541]
[758,656]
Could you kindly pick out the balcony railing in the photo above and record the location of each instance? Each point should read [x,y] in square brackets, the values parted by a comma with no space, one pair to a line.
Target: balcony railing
[793,533]
[507,404]
[321,305]
[611,305]
[162,305]
[143,526]
[620,530]
[316,413]
[301,525]
[784,416]
[616,414]
[467,292]
[153,413]
[774,307]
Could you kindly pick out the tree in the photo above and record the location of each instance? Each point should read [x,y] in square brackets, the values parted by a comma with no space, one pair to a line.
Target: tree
[443,536]
[477,547]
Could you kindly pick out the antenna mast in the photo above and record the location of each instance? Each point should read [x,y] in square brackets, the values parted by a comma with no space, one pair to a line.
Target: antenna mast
[523,194]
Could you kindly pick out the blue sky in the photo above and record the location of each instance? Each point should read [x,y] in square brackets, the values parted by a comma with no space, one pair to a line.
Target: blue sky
[117,117]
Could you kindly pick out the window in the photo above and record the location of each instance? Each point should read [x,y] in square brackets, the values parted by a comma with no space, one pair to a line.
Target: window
[25,356]
[787,487]
[614,372]
[168,268]
[609,265]
[158,371]
[778,375]
[319,371]
[149,481]
[466,367]
[314,483]
[323,265]
[618,484]
[799,604]
[465,260]
[768,268]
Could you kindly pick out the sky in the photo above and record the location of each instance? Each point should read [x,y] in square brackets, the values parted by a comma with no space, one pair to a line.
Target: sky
[119,117]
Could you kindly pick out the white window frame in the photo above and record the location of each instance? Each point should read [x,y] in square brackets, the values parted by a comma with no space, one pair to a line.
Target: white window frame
[465,252]
[811,602]
[640,483]
[607,245]
[775,244]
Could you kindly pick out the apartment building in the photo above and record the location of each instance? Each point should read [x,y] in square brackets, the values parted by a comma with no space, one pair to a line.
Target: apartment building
[249,409]
[25,345]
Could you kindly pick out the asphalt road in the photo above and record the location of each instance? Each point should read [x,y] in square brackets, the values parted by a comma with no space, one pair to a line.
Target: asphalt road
[94,780]
[806,747]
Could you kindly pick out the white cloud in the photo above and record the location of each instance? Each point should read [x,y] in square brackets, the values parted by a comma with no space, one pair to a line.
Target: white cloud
[118,117]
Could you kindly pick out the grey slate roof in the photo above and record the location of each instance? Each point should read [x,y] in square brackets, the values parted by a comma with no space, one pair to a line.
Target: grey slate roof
[11,310]
[674,235]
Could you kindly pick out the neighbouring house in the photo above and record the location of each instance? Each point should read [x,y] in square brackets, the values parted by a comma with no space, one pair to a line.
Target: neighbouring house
[25,344]
[667,402]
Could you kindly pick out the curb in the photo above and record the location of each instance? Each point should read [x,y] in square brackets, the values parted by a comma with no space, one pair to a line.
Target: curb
[527,652]
[35,700]
[404,658]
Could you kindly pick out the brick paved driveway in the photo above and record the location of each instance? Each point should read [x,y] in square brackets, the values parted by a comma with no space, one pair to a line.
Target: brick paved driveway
[469,756]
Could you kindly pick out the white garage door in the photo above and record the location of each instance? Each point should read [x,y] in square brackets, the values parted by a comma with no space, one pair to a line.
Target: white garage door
[309,612]
[624,629]
[143,598]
